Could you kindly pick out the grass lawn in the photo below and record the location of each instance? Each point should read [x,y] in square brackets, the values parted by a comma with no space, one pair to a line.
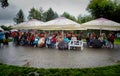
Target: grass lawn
[8,70]
[117,41]
[10,39]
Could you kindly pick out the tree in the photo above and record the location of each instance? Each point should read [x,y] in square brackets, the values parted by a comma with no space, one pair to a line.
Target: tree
[105,8]
[4,3]
[83,19]
[6,28]
[41,11]
[67,15]
[116,15]
[34,14]
[50,14]
[56,15]
[44,17]
[101,8]
[19,17]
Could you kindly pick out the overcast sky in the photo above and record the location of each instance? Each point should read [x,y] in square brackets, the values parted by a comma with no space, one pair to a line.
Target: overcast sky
[73,7]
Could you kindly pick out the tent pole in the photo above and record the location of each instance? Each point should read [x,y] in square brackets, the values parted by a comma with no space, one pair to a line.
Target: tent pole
[100,31]
[49,31]
[63,33]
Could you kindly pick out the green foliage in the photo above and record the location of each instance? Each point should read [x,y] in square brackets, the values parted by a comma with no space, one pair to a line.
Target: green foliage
[42,15]
[105,8]
[6,28]
[83,19]
[7,70]
[117,41]
[67,15]
[19,17]
[116,15]
[50,14]
[4,3]
[35,14]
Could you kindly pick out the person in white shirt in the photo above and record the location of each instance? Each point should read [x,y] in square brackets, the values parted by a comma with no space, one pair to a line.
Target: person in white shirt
[73,37]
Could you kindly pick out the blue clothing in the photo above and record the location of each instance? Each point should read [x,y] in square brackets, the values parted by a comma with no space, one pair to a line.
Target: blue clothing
[1,35]
[36,41]
[66,40]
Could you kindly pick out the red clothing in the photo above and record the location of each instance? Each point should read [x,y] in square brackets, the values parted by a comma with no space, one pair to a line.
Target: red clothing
[54,40]
[12,34]
[112,38]
[32,37]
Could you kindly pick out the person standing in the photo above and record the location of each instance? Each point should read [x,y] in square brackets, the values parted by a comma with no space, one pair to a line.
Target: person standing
[112,37]
[1,37]
[6,38]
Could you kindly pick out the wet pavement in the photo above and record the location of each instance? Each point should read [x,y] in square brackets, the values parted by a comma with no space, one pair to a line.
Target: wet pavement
[53,58]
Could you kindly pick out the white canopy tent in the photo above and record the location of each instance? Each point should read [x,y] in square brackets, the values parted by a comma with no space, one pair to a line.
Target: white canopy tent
[102,24]
[13,30]
[61,23]
[31,24]
[1,29]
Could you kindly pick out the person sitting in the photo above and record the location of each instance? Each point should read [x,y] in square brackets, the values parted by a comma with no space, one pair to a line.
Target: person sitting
[41,41]
[101,38]
[66,40]
[53,41]
[96,43]
[92,39]
[32,37]
[48,41]
[35,42]
[73,37]
[59,38]
[69,36]
[16,38]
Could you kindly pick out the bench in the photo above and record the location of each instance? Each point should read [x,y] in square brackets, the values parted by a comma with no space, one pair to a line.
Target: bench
[75,43]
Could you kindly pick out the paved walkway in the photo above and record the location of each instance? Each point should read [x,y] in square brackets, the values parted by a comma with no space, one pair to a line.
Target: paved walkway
[53,58]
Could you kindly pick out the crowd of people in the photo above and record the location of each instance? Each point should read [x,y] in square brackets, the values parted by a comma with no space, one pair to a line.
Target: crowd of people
[94,41]
[56,39]
[43,39]
[4,37]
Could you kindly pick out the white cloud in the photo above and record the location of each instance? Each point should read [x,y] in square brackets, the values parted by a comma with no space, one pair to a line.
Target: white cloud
[73,7]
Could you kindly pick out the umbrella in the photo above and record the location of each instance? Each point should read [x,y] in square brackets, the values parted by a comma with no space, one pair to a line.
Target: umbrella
[31,24]
[102,24]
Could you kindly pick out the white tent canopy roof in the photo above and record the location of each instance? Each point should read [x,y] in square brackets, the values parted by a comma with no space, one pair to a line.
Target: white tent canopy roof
[62,23]
[102,23]
[13,30]
[29,24]
[1,29]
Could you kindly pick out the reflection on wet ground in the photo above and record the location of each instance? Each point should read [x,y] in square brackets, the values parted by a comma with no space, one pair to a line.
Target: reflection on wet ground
[53,58]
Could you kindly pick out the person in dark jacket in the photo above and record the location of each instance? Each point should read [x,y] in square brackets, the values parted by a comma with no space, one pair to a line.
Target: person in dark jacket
[112,37]
[6,38]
